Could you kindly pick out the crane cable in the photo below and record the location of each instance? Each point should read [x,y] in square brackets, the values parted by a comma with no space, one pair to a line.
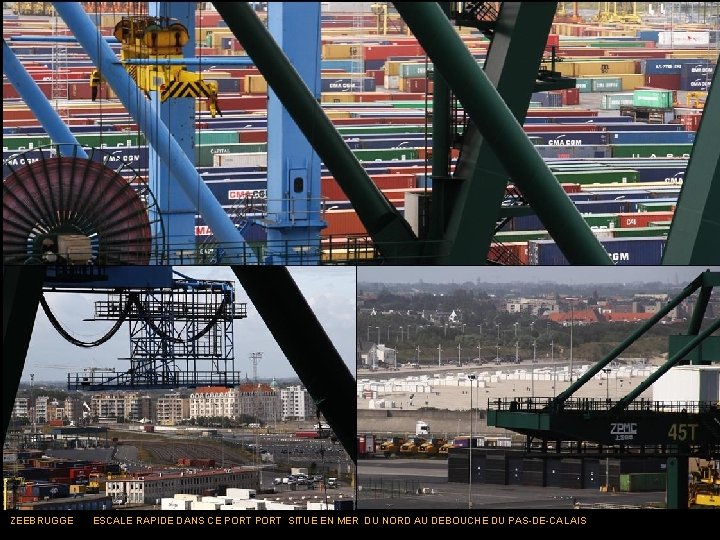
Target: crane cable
[86,344]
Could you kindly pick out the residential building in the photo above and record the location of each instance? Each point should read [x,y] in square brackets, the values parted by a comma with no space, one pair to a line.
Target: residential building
[171,409]
[126,405]
[41,409]
[21,408]
[213,401]
[297,404]
[259,401]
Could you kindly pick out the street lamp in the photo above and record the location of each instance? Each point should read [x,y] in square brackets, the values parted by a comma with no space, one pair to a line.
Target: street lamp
[401,334]
[368,333]
[607,371]
[439,355]
[378,329]
[497,344]
[418,355]
[470,444]
[459,363]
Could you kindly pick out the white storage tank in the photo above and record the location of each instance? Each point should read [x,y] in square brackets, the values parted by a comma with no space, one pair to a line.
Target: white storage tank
[688,383]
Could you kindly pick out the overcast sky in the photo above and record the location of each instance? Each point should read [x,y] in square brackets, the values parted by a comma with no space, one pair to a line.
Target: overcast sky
[530,274]
[329,290]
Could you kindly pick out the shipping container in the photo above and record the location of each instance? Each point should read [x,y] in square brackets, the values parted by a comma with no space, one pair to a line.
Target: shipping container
[607,84]
[633,483]
[622,251]
[660,99]
[614,101]
[652,137]
[651,150]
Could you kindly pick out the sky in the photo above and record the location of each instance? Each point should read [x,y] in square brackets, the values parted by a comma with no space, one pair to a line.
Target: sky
[330,291]
[531,274]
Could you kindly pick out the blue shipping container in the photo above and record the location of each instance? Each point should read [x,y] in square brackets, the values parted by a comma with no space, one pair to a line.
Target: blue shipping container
[668,66]
[652,137]
[365,84]
[622,251]
[572,138]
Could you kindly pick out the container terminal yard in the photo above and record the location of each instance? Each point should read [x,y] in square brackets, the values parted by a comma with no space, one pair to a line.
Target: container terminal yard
[514,422]
[437,140]
[179,421]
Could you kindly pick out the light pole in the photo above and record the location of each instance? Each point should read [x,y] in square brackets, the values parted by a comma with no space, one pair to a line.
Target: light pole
[470,444]
[459,363]
[418,355]
[607,384]
[515,324]
[497,345]
[378,329]
[401,334]
[572,318]
[368,333]
[439,355]
[532,373]
[552,360]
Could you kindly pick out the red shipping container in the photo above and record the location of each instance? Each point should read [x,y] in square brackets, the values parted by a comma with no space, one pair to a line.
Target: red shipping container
[553,41]
[570,96]
[253,135]
[555,112]
[668,82]
[691,122]
[378,75]
[342,223]
[642,219]
[508,253]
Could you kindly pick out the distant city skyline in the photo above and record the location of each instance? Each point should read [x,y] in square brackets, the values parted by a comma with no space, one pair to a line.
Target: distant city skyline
[568,275]
[330,292]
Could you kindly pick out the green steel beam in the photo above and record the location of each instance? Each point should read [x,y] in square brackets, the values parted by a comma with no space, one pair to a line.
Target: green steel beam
[305,344]
[503,133]
[22,288]
[695,229]
[617,351]
[677,482]
[441,145]
[699,312]
[384,223]
[511,66]
[659,372]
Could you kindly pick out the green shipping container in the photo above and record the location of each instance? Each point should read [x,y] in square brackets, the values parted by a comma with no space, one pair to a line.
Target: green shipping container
[659,99]
[601,221]
[412,70]
[651,150]
[656,207]
[520,236]
[631,483]
[584,85]
[641,232]
[614,101]
[607,84]
[386,154]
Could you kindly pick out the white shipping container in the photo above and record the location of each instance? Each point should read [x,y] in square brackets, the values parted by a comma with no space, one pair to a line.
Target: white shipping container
[231,507]
[242,159]
[187,497]
[199,505]
[239,493]
[680,37]
[174,504]
[392,82]
[688,383]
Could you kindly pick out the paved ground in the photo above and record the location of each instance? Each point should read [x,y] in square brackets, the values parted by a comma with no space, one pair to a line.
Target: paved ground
[393,483]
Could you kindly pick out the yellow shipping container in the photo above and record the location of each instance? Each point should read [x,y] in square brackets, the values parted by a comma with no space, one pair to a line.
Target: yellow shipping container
[583,69]
[255,84]
[631,81]
[334,114]
[218,35]
[392,67]
[342,51]
[705,55]
[337,97]
[566,69]
[76,488]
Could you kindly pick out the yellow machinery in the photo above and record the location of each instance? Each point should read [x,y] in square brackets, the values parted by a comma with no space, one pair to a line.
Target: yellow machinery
[392,446]
[10,485]
[161,39]
[96,482]
[705,486]
[618,12]
[412,446]
[445,449]
[696,100]
[432,447]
